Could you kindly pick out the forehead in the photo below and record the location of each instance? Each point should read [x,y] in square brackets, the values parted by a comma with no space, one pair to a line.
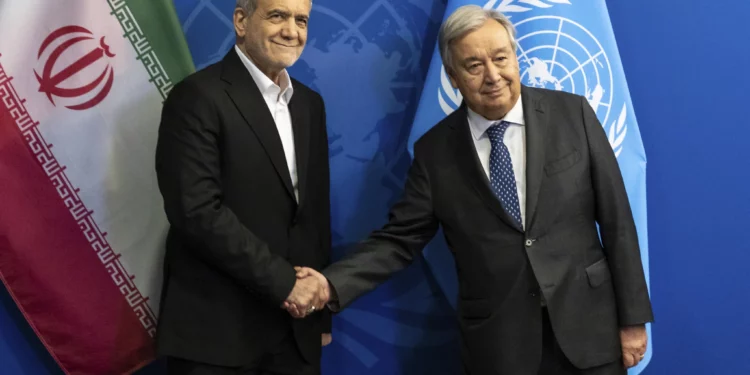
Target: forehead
[490,36]
[295,6]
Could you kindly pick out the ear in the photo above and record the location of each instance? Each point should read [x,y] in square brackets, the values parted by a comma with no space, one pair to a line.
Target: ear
[240,18]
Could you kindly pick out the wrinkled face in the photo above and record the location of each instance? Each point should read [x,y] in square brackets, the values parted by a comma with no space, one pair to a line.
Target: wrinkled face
[485,70]
[275,34]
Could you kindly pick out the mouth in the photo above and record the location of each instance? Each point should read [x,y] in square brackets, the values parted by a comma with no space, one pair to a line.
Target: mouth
[283,45]
[495,92]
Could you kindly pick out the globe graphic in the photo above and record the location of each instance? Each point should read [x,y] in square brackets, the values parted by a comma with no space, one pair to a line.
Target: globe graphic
[560,54]
[367,60]
[372,59]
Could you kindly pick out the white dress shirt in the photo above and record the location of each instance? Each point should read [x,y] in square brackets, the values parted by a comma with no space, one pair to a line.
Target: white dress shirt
[277,99]
[514,139]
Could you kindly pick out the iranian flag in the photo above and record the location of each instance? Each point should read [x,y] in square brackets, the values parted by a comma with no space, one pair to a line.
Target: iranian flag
[82,227]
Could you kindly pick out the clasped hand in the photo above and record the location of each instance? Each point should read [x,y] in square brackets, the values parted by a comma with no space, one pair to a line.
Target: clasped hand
[311,292]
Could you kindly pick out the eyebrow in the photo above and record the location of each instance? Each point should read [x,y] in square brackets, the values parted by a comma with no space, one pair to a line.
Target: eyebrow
[286,13]
[471,59]
[494,52]
[277,10]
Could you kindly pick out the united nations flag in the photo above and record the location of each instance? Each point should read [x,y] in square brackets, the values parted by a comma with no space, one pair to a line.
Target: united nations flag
[564,45]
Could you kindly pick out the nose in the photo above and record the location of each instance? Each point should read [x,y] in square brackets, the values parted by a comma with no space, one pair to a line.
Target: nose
[492,74]
[289,30]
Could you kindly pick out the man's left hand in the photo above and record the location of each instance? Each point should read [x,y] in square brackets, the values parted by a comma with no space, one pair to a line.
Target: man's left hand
[633,340]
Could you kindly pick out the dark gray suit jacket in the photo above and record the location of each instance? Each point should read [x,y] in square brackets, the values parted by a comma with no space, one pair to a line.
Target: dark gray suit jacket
[573,183]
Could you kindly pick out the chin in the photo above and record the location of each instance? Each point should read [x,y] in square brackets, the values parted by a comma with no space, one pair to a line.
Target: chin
[288,60]
[282,63]
[500,102]
[288,63]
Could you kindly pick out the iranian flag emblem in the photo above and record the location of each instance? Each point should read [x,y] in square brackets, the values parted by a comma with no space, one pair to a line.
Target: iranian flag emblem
[82,227]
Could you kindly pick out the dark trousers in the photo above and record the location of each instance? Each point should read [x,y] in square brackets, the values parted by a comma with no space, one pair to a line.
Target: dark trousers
[283,359]
[554,361]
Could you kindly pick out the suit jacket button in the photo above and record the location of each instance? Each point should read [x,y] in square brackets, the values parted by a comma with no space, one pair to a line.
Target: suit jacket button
[529,242]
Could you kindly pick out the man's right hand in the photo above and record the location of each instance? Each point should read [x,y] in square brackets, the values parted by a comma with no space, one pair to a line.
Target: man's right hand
[311,292]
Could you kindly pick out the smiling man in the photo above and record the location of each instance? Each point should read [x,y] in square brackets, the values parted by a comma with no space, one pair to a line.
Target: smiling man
[518,178]
[242,165]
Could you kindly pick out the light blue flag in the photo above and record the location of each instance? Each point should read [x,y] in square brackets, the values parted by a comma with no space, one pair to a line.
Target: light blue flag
[564,45]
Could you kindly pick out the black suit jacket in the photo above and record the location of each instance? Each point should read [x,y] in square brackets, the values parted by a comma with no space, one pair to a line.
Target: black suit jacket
[573,182]
[236,229]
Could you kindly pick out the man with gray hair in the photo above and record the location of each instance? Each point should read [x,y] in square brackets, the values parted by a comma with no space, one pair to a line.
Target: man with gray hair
[242,164]
[518,178]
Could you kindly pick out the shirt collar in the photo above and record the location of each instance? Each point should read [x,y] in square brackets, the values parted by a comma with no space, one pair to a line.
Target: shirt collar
[266,85]
[479,124]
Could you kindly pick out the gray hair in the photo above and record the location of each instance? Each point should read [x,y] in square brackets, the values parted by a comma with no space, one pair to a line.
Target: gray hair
[249,5]
[464,20]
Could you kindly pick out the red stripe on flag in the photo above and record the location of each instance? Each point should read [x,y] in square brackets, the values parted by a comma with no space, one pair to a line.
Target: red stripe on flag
[56,263]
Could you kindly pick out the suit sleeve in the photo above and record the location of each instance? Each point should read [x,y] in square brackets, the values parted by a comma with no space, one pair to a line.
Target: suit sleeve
[617,228]
[325,220]
[189,177]
[412,224]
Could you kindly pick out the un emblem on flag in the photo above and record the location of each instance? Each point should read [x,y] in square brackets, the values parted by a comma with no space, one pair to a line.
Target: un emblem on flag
[557,53]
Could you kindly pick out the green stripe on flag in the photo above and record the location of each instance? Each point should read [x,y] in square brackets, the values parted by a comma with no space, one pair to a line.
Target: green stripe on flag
[154,30]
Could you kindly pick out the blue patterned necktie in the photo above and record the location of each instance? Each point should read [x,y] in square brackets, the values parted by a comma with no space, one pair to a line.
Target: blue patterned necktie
[502,178]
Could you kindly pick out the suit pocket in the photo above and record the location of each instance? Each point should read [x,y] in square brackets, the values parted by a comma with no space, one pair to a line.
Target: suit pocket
[475,308]
[598,273]
[563,163]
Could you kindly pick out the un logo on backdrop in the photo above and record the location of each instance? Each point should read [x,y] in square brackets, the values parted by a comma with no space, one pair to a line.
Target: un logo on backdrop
[558,54]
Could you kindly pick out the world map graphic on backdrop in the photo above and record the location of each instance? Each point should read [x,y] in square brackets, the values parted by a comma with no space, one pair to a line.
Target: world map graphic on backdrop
[368,60]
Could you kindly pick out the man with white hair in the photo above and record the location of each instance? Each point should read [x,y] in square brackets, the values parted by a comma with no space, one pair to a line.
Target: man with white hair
[242,164]
[518,178]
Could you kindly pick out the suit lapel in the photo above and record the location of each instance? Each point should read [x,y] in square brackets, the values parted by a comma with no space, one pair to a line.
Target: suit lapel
[537,119]
[246,96]
[471,167]
[298,108]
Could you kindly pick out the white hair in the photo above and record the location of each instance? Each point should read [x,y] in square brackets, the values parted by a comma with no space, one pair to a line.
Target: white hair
[464,20]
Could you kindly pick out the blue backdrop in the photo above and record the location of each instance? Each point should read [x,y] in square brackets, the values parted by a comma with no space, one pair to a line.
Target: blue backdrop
[685,64]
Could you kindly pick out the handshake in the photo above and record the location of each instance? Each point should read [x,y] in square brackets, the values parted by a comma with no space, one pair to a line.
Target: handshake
[311,293]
